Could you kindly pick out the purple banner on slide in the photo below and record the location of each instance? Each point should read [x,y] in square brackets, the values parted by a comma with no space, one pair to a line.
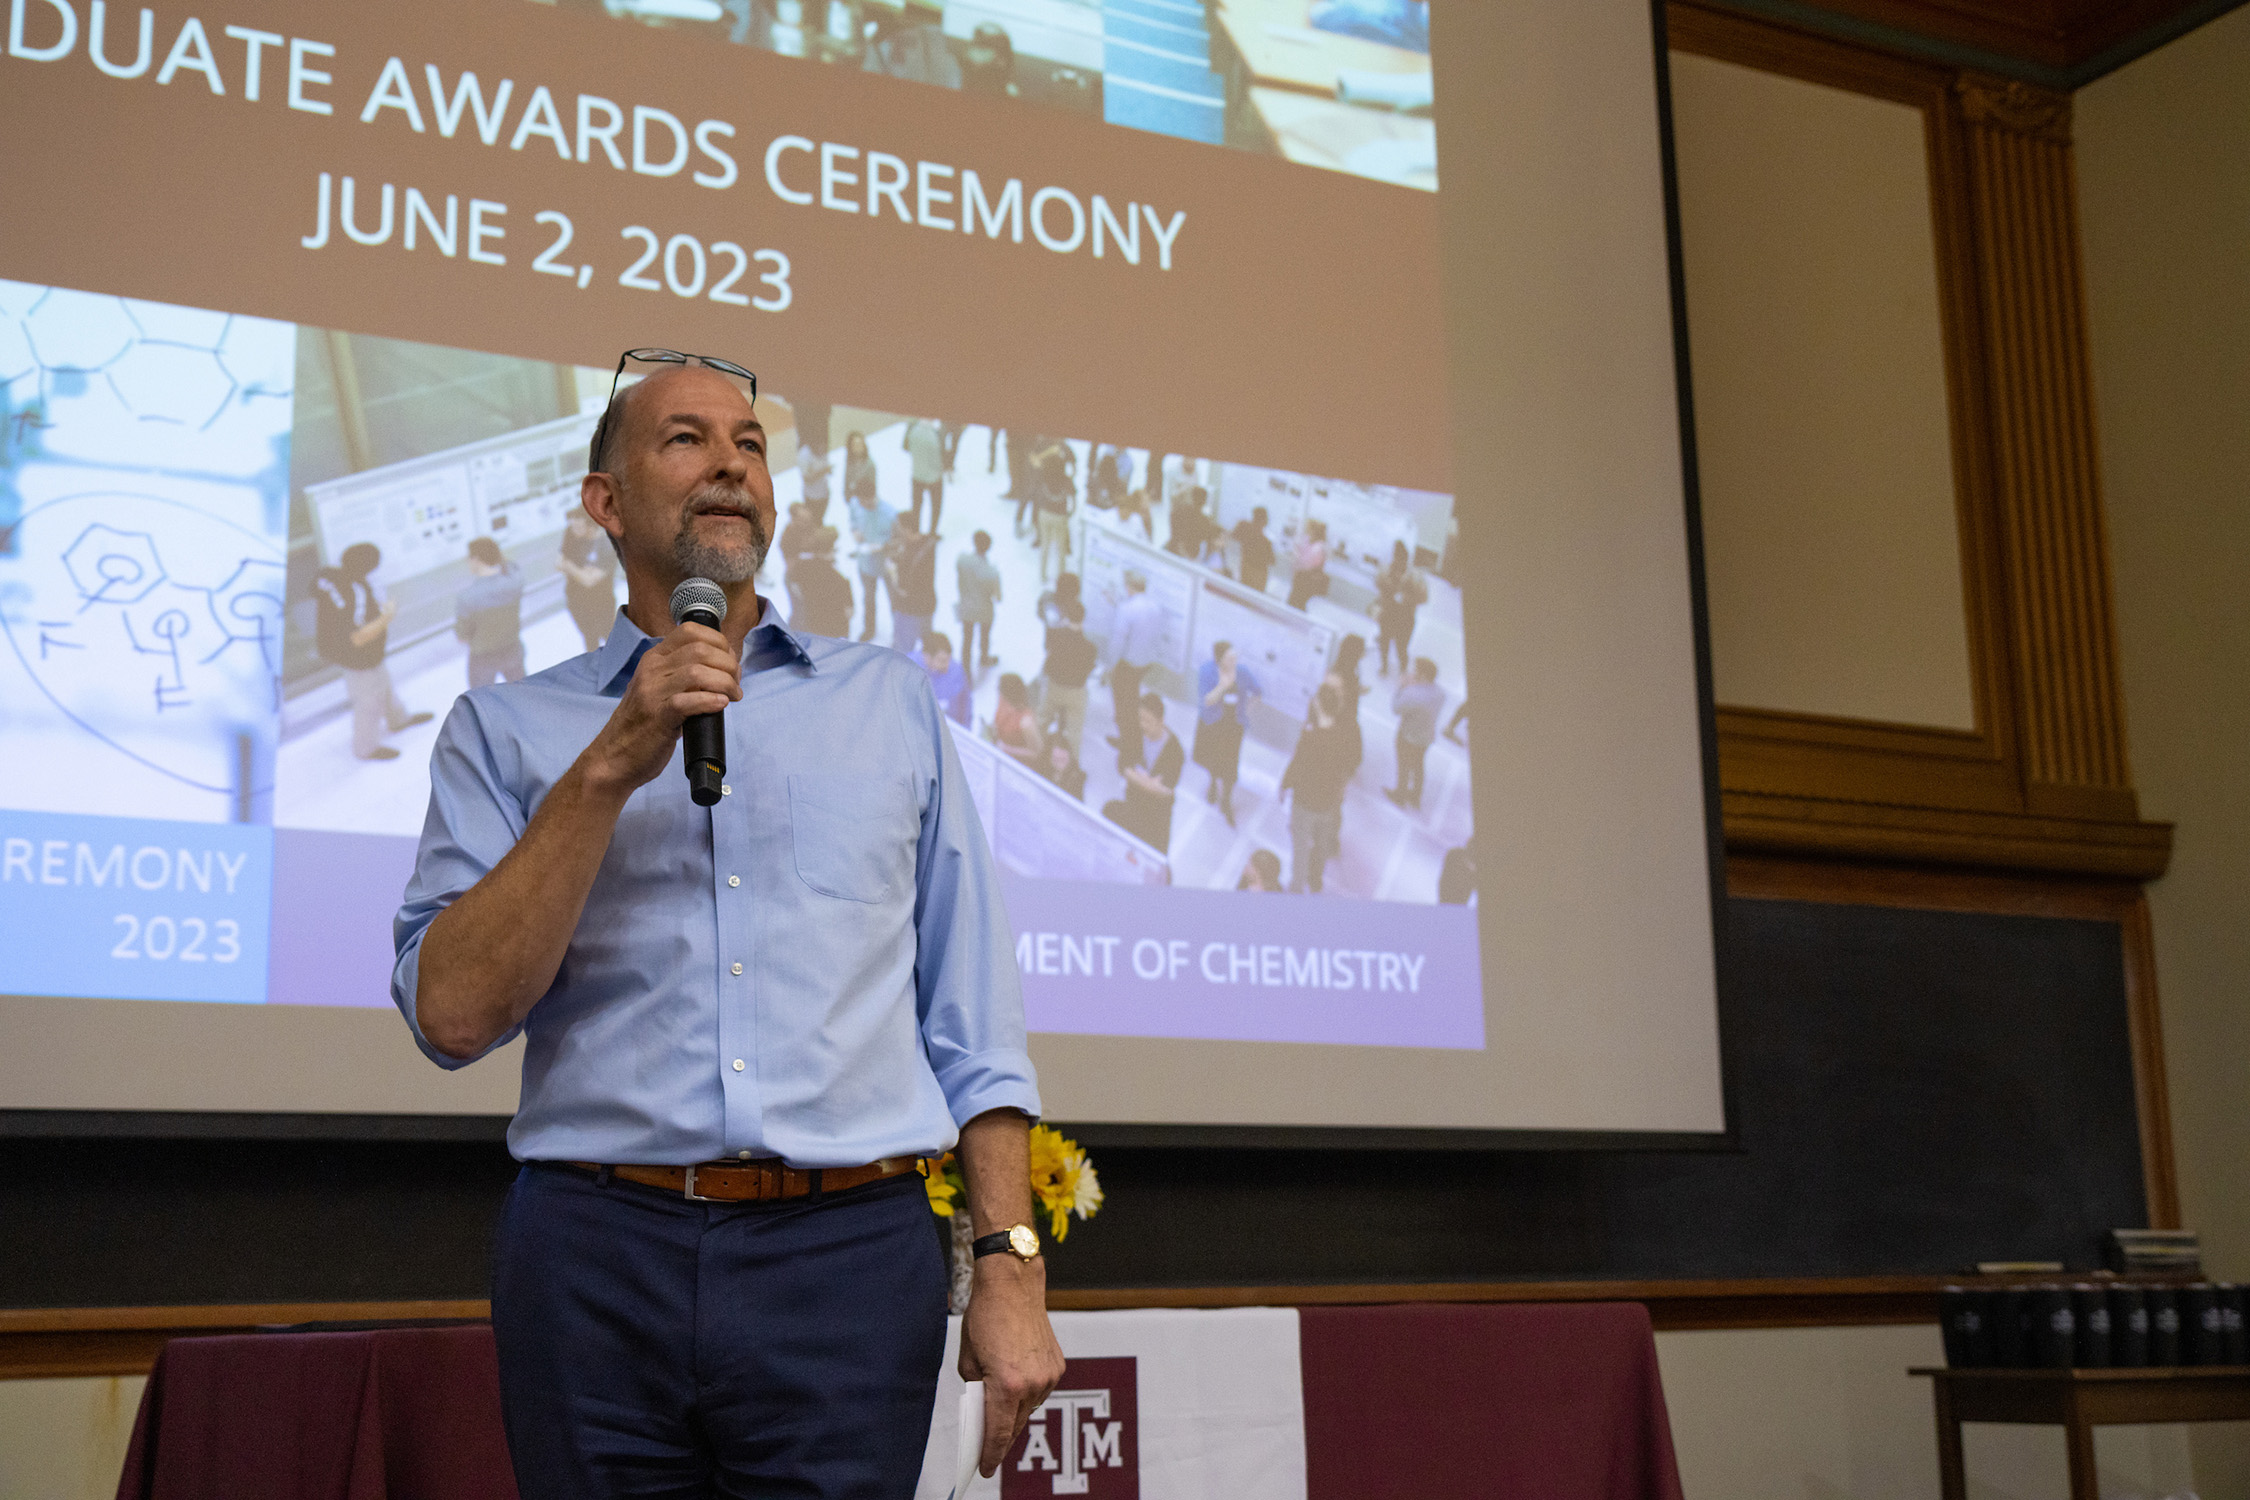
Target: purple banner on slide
[1097,959]
[334,895]
[1157,961]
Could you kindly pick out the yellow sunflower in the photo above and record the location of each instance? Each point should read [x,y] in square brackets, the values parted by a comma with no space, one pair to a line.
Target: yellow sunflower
[942,1179]
[1063,1183]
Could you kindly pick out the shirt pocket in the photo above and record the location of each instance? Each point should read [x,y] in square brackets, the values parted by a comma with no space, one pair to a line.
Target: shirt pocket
[853,839]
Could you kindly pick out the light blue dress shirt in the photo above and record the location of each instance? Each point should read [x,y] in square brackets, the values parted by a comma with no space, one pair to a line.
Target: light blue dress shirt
[1136,632]
[818,967]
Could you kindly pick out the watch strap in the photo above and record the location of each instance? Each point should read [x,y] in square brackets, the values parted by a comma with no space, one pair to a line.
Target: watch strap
[999,1242]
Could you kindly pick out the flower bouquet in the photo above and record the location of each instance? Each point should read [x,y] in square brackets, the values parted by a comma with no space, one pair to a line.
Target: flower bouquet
[1063,1186]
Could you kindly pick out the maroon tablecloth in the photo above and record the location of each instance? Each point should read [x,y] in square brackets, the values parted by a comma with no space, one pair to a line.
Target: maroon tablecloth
[1557,1400]
[1410,1401]
[394,1414]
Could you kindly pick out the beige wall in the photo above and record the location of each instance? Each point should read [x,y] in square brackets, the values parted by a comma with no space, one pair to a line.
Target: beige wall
[1832,549]
[65,1439]
[2164,180]
[1830,1413]
[1802,594]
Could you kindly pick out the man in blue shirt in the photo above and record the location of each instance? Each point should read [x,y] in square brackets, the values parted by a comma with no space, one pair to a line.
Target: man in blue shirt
[871,522]
[1417,704]
[925,446]
[947,681]
[716,1271]
[488,615]
[1136,635]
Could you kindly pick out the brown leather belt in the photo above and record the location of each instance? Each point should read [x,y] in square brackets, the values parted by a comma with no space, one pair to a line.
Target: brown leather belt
[753,1181]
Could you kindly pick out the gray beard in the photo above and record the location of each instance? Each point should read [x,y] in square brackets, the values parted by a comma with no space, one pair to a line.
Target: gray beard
[720,564]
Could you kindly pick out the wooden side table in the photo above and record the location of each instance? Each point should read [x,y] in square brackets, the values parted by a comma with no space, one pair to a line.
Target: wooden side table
[2078,1401]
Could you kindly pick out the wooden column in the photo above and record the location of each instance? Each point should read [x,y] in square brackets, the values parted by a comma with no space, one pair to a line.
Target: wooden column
[2041,783]
[2053,544]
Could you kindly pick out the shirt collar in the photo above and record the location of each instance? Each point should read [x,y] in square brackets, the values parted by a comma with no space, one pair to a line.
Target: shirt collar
[615,662]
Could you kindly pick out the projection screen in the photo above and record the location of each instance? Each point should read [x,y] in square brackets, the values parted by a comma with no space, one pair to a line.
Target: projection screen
[1341,330]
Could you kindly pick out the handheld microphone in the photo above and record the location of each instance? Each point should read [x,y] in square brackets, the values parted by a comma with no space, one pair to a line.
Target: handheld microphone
[703,736]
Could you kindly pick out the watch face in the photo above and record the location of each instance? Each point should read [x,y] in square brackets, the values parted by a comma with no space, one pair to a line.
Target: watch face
[1024,1240]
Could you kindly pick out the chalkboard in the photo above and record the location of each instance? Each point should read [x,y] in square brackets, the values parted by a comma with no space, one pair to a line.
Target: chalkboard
[1911,1091]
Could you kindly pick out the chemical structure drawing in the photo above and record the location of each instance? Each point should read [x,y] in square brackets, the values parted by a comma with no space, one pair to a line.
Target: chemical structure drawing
[185,627]
[143,483]
[178,674]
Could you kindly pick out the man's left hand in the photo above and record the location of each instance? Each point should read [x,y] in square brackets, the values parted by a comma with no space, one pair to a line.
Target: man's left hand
[1007,1342]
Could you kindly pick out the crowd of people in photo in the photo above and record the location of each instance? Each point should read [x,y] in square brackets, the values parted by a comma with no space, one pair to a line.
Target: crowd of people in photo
[1040,721]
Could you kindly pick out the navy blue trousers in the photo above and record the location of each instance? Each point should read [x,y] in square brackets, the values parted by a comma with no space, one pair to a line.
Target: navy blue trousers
[650,1346]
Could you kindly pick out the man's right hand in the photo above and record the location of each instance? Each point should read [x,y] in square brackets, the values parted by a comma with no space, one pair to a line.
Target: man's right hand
[691,671]
[488,957]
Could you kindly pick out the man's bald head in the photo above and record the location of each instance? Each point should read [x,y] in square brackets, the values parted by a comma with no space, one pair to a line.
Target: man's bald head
[609,432]
[682,486]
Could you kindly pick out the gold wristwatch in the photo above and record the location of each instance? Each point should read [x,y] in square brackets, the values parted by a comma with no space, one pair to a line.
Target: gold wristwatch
[1019,1240]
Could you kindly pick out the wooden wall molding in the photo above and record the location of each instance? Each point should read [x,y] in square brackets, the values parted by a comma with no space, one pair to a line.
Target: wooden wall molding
[53,1343]
[2041,784]
[48,1343]
[2006,104]
[1672,1305]
[2053,36]
[1825,828]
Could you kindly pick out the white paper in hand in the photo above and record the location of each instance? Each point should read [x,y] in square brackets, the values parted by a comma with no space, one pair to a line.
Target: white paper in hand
[971,1438]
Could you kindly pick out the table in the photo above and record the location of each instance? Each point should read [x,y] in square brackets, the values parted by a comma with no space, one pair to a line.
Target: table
[1407,1401]
[391,1414]
[1365,142]
[1548,1399]
[2078,1401]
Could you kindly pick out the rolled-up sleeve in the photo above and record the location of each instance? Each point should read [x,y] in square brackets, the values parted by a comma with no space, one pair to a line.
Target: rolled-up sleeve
[473,821]
[969,998]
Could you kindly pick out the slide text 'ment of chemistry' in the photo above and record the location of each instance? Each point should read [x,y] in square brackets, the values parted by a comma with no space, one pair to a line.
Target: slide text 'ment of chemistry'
[1274,965]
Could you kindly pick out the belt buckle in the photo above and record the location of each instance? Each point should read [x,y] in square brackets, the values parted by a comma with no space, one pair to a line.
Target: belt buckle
[687,1190]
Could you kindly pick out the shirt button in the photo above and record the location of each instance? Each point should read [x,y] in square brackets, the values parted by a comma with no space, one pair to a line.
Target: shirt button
[738,968]
[734,880]
[725,790]
[738,1068]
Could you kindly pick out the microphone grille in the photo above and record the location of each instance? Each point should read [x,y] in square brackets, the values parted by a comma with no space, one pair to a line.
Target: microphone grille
[698,595]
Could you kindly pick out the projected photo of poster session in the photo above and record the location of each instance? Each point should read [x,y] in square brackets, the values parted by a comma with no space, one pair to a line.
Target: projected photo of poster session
[432,548]
[1161,669]
[1339,84]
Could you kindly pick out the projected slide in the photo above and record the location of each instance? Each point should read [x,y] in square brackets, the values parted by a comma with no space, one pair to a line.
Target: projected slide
[268,450]
[180,670]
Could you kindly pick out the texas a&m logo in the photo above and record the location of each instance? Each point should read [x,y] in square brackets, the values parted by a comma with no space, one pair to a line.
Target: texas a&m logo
[1084,1441]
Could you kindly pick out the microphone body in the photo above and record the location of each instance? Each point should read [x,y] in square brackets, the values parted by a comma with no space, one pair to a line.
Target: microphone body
[703,737]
